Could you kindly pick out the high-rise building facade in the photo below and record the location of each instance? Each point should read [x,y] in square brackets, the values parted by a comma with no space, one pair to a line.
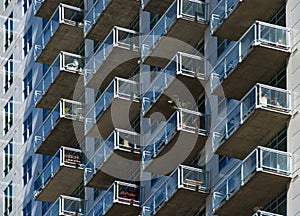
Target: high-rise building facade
[150,107]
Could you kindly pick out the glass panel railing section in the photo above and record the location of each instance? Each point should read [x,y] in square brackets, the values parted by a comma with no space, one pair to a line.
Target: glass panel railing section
[63,62]
[63,14]
[192,121]
[66,205]
[193,178]
[259,34]
[264,213]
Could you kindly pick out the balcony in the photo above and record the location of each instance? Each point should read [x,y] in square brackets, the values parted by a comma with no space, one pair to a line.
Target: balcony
[249,123]
[156,6]
[66,206]
[178,141]
[62,32]
[262,176]
[120,199]
[45,8]
[118,157]
[62,175]
[105,14]
[181,78]
[260,53]
[231,18]
[116,56]
[59,81]
[166,38]
[264,213]
[117,107]
[183,193]
[58,128]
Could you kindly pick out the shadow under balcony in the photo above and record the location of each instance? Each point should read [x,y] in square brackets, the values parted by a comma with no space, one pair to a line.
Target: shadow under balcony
[260,115]
[156,6]
[260,53]
[116,56]
[262,176]
[62,175]
[60,127]
[64,31]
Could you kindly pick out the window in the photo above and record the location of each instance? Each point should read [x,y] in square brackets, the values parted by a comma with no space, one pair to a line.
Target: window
[7,202]
[27,171]
[27,85]
[8,157]
[8,33]
[223,161]
[278,205]
[45,207]
[27,127]
[26,5]
[6,3]
[8,73]
[8,115]
[46,159]
[27,42]
[221,45]
[45,113]
[27,209]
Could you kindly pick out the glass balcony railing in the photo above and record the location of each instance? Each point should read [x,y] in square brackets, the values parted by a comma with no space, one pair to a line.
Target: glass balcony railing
[63,62]
[63,14]
[182,119]
[183,177]
[259,34]
[119,192]
[182,63]
[118,88]
[118,37]
[185,9]
[37,4]
[119,139]
[259,97]
[264,213]
[64,157]
[261,159]
[67,109]
[66,205]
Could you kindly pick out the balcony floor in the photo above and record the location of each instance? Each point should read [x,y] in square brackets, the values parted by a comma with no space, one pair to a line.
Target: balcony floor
[67,37]
[123,209]
[62,87]
[65,181]
[158,6]
[259,66]
[117,13]
[261,189]
[245,15]
[121,62]
[174,41]
[257,130]
[181,149]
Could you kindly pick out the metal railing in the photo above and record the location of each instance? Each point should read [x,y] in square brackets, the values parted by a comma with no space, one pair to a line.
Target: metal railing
[118,37]
[63,14]
[119,192]
[264,213]
[185,177]
[64,157]
[118,88]
[63,62]
[259,34]
[68,109]
[118,139]
[66,205]
[259,97]
[261,159]
[185,9]
[182,63]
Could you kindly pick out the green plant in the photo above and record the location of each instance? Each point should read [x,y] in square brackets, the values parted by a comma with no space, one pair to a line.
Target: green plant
[67,110]
[177,103]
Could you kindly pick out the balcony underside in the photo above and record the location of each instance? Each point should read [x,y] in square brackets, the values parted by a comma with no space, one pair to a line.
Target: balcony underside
[120,62]
[117,13]
[188,89]
[261,189]
[62,87]
[257,130]
[67,38]
[120,165]
[183,202]
[259,66]
[244,16]
[181,149]
[48,7]
[123,209]
[174,41]
[65,181]
[120,114]
[62,134]
[158,6]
